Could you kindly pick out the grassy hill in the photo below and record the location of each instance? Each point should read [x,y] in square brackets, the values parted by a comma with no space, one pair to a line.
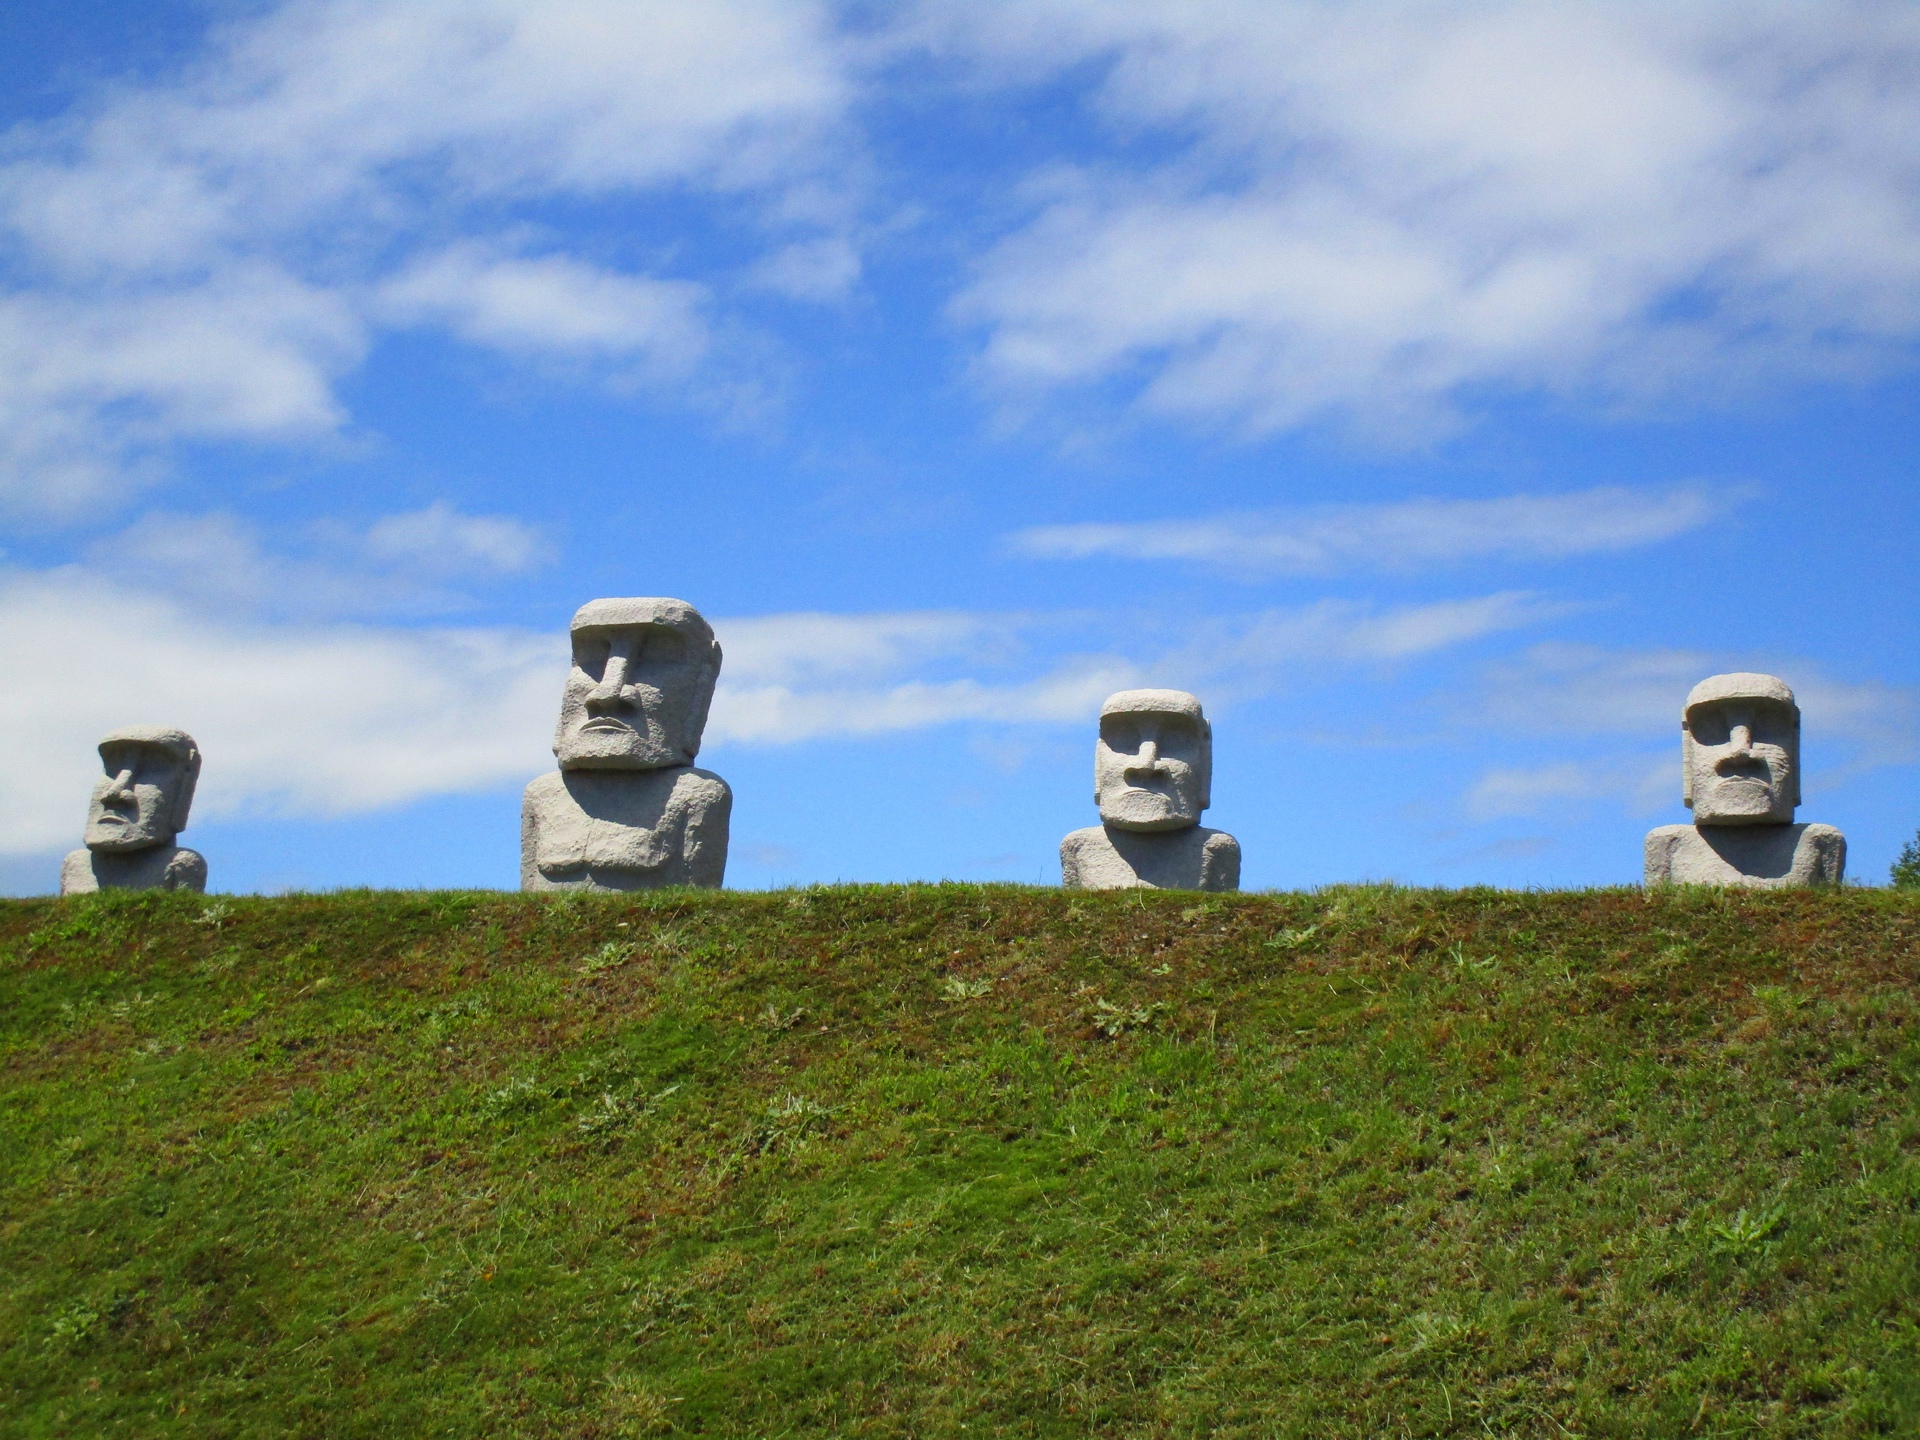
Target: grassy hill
[948,1160]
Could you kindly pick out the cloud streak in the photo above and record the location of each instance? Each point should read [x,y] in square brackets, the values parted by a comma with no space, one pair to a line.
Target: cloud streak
[1412,535]
[1381,214]
[205,257]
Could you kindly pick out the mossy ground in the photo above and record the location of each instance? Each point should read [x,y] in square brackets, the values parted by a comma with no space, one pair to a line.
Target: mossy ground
[934,1160]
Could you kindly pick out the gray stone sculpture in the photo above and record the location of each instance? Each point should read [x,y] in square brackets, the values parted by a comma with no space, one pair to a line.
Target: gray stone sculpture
[137,809]
[1152,776]
[627,810]
[1740,757]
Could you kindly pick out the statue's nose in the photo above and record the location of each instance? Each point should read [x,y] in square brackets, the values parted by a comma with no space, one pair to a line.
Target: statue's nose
[611,690]
[1147,760]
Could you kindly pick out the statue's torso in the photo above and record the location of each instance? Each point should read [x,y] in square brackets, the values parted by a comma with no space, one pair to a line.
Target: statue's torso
[624,829]
[1765,857]
[1196,858]
[158,867]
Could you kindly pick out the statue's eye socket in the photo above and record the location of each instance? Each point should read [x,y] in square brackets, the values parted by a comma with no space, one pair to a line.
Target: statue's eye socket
[1121,736]
[1710,727]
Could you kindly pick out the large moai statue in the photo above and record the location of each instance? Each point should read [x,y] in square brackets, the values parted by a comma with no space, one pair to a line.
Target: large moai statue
[1740,759]
[627,810]
[1152,776]
[138,807]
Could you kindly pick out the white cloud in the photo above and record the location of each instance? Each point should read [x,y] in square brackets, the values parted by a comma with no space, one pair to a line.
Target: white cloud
[1644,784]
[307,720]
[401,564]
[207,255]
[439,540]
[552,305]
[1580,693]
[1380,212]
[1410,535]
[301,714]
[789,678]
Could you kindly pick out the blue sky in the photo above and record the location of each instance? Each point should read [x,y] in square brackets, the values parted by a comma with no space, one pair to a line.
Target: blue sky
[1437,391]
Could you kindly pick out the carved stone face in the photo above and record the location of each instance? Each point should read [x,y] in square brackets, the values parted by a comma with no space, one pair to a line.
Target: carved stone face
[1153,765]
[642,679]
[147,791]
[1741,751]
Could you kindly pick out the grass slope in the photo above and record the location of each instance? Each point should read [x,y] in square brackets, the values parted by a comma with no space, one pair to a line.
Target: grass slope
[925,1160]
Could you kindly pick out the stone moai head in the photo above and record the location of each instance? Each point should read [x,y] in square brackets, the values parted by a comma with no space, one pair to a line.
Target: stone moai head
[1740,751]
[642,679]
[147,791]
[1153,764]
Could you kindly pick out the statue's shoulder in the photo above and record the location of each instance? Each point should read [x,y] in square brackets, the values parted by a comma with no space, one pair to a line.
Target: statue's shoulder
[1092,835]
[544,786]
[1217,842]
[1821,834]
[702,785]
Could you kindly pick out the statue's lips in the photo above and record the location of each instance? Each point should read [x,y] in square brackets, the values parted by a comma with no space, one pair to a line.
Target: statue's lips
[607,727]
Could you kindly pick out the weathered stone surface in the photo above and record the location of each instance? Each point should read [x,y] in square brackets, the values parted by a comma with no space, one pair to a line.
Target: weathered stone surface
[1101,857]
[1740,767]
[1764,857]
[158,867]
[1152,778]
[138,807]
[642,679]
[627,809]
[1740,751]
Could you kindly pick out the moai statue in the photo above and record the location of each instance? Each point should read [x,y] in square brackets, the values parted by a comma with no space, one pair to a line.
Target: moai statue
[1152,776]
[1740,759]
[627,810]
[137,809]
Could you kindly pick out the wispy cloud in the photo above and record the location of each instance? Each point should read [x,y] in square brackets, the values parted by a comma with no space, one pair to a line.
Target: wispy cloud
[295,719]
[1411,535]
[1570,787]
[208,254]
[300,713]
[1385,213]
[1620,711]
[411,563]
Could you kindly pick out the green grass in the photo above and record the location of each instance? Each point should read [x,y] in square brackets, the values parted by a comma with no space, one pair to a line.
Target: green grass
[946,1160]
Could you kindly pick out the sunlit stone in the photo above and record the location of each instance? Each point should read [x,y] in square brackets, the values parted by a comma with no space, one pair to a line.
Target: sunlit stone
[1152,777]
[1740,764]
[138,807]
[627,810]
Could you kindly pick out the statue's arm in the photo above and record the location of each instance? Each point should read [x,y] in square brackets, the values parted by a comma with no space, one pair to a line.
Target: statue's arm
[708,825]
[1070,862]
[1220,863]
[187,870]
[76,873]
[1660,846]
[530,839]
[1829,854]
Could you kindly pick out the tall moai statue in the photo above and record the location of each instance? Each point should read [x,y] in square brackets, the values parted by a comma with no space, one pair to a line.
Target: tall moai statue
[138,807]
[1152,776]
[627,810]
[1740,767]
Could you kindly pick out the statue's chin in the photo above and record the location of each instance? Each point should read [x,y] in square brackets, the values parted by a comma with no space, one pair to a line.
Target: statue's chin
[1740,805]
[1144,812]
[606,751]
[119,839]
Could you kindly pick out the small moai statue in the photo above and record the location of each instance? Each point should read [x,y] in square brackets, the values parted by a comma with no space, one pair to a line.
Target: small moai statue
[1740,767]
[1152,776]
[627,810]
[138,807]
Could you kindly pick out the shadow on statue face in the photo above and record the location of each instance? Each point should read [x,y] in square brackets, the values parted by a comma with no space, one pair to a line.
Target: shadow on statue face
[1742,762]
[135,804]
[1150,770]
[635,699]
